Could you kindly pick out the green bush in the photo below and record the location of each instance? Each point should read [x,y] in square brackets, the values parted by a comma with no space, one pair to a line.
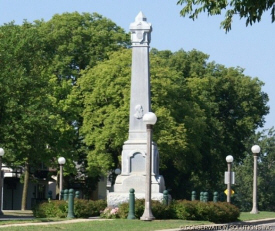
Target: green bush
[82,208]
[159,210]
[181,209]
[51,208]
[186,210]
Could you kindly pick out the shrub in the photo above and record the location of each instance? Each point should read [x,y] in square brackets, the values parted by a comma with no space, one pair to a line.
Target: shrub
[52,208]
[159,210]
[82,208]
[185,210]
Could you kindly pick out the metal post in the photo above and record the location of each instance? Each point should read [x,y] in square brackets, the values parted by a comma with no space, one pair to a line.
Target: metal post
[205,197]
[71,204]
[165,198]
[1,186]
[61,181]
[148,215]
[131,214]
[229,183]
[77,194]
[255,206]
[193,196]
[66,192]
[215,197]
[201,196]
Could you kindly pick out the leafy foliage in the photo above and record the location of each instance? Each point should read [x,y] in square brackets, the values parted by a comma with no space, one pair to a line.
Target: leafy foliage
[186,210]
[265,177]
[57,208]
[250,9]
[205,112]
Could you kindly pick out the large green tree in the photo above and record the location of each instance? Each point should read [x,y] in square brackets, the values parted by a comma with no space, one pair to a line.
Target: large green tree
[40,63]
[251,10]
[205,112]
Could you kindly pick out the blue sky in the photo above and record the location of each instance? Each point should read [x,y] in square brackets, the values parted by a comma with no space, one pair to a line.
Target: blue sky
[252,47]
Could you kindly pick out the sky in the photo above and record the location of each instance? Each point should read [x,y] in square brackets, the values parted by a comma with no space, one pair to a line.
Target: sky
[251,48]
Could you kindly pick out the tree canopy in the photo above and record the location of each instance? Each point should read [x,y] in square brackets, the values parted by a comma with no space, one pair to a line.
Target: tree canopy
[40,63]
[205,112]
[251,10]
[265,176]
[65,88]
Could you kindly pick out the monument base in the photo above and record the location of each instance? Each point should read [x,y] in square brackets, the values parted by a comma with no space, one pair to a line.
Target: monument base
[115,199]
[136,181]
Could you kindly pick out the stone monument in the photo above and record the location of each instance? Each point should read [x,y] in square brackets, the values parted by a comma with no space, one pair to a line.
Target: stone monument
[133,173]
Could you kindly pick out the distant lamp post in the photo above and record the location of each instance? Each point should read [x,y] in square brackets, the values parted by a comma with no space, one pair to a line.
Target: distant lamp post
[117,171]
[229,160]
[2,152]
[255,150]
[149,119]
[61,161]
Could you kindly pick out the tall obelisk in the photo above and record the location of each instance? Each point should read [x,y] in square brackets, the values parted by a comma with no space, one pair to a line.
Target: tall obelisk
[134,149]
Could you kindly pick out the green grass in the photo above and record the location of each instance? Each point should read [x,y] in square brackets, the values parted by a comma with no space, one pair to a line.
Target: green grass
[112,225]
[118,224]
[246,216]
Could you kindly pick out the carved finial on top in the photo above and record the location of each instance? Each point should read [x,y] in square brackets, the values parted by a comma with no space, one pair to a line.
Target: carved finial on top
[140,17]
[141,31]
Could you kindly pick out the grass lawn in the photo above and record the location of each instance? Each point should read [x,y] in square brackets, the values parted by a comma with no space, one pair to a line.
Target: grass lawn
[111,225]
[246,216]
[118,224]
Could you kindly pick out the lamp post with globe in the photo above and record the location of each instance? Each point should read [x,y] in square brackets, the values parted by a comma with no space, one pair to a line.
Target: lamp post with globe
[229,160]
[149,119]
[255,150]
[61,161]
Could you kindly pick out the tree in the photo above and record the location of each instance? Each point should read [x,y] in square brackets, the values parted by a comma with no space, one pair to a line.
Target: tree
[265,177]
[250,10]
[205,112]
[27,124]
[40,63]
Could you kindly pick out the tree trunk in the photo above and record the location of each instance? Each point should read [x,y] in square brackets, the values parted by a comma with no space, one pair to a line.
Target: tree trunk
[25,188]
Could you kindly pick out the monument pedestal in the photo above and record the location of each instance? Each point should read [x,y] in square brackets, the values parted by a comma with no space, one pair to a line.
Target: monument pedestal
[133,173]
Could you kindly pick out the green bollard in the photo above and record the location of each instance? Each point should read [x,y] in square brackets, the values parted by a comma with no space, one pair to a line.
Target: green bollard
[62,195]
[205,197]
[215,197]
[71,204]
[201,196]
[165,198]
[193,197]
[77,194]
[66,192]
[131,214]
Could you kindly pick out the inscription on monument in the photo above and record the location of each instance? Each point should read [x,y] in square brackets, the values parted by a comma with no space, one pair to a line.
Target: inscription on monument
[137,163]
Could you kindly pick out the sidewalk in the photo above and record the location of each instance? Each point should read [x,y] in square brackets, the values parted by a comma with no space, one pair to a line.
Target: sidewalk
[227,226]
[28,215]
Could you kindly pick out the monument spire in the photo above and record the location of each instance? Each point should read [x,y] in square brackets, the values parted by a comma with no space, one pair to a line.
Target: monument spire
[140,81]
[134,149]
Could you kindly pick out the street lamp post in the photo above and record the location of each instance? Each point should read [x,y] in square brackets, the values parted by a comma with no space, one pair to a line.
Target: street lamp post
[229,160]
[2,152]
[61,161]
[255,150]
[149,119]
